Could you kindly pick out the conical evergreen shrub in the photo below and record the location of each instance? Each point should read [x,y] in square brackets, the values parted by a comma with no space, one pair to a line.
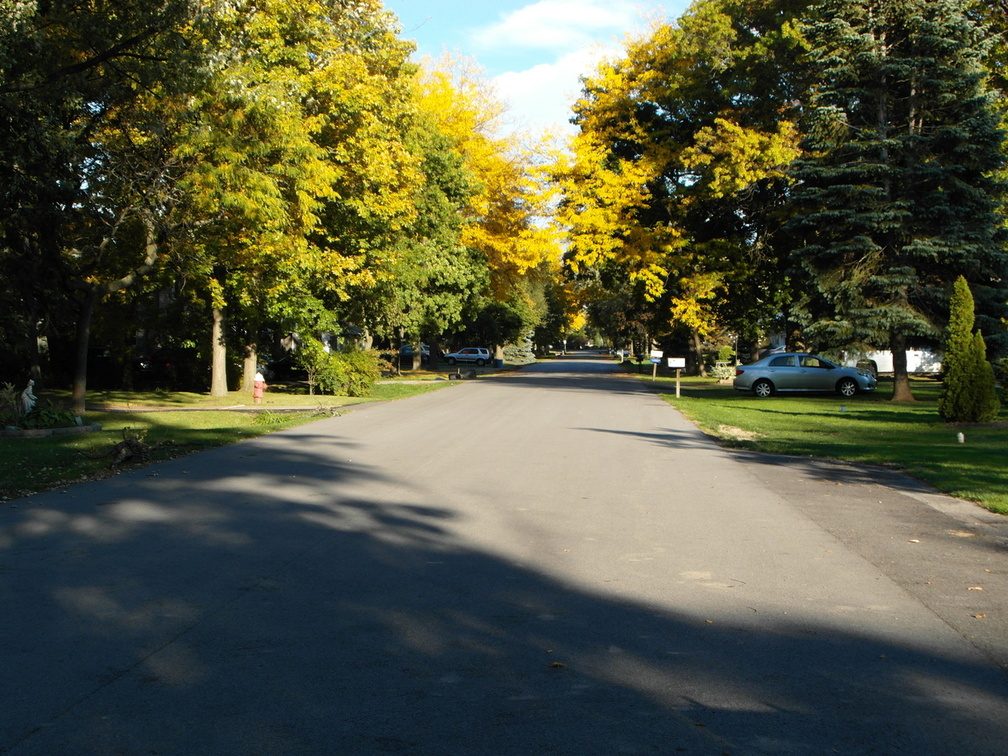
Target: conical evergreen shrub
[968,388]
[986,405]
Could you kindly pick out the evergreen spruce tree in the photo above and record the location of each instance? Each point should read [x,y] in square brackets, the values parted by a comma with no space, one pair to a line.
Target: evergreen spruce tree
[897,195]
[968,391]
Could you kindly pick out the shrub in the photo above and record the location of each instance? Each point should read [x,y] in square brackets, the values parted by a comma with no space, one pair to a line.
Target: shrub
[267,417]
[362,372]
[986,402]
[968,389]
[50,417]
[349,373]
[10,405]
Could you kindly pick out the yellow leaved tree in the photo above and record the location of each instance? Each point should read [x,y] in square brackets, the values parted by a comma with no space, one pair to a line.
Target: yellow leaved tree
[675,178]
[507,217]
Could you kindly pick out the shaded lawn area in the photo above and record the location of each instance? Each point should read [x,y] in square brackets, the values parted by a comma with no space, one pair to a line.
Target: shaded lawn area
[868,428]
[31,465]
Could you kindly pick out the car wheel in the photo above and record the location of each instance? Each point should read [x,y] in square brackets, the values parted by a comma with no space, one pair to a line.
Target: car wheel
[763,388]
[451,360]
[480,362]
[847,387]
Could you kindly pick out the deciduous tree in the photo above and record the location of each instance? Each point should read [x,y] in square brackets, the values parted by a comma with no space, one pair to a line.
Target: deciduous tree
[85,168]
[678,173]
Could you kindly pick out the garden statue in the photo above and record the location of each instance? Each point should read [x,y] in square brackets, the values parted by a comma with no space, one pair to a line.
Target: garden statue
[28,398]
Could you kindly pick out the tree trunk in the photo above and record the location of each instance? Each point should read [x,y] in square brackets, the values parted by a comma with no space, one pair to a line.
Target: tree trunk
[127,378]
[698,348]
[79,392]
[901,377]
[34,357]
[218,352]
[400,334]
[250,366]
[92,293]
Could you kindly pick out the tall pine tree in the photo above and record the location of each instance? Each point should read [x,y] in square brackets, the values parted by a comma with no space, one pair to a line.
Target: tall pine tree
[898,194]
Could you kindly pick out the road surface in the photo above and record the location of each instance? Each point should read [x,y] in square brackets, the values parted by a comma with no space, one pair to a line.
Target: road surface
[551,561]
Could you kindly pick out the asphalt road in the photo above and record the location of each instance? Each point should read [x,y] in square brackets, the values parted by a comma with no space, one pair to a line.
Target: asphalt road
[551,561]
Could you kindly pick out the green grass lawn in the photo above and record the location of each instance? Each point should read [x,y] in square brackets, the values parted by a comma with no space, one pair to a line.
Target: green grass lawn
[868,428]
[31,465]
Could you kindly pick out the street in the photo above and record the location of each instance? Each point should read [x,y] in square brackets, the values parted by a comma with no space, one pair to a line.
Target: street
[550,561]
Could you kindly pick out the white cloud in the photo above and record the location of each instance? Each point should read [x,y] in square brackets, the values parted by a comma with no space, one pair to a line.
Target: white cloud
[559,24]
[559,41]
[541,97]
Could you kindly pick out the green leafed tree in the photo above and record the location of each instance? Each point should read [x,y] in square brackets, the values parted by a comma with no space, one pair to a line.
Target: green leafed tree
[898,192]
[968,390]
[301,166]
[84,149]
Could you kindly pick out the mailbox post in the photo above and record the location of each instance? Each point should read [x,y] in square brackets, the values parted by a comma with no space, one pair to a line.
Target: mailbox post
[678,363]
[656,355]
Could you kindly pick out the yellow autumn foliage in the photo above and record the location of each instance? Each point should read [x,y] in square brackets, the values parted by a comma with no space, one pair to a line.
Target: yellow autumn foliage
[504,219]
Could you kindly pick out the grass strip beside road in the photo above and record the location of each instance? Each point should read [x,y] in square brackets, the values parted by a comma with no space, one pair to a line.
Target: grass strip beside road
[868,429]
[31,465]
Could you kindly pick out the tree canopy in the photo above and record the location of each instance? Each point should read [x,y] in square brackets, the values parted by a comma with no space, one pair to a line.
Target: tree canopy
[818,170]
[220,176]
[226,173]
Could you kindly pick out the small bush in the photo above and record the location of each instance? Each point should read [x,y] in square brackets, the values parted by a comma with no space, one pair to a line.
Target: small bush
[10,405]
[968,393]
[268,417]
[725,353]
[350,373]
[50,417]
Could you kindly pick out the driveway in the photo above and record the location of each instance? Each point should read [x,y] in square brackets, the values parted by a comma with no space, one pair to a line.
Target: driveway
[551,561]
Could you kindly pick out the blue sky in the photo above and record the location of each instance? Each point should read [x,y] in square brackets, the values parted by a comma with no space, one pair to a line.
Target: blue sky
[532,50]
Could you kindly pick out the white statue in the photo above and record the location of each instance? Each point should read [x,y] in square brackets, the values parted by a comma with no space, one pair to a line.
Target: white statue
[28,398]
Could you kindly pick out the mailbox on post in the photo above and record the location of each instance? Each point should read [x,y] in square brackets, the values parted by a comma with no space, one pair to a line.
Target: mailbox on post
[678,363]
[656,355]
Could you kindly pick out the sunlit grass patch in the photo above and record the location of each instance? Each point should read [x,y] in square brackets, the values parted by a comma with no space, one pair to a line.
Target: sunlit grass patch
[868,429]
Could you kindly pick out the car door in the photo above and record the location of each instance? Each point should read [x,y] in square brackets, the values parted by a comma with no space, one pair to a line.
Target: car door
[816,374]
[783,371]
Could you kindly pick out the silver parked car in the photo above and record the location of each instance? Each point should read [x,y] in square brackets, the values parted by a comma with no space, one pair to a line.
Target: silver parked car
[791,371]
[479,355]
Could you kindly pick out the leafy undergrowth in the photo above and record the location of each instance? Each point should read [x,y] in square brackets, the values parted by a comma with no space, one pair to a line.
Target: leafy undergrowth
[868,429]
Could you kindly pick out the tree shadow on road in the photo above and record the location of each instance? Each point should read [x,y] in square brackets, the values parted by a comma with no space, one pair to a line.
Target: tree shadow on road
[242,603]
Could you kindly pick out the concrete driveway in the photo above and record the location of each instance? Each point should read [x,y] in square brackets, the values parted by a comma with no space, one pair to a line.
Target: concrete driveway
[551,561]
